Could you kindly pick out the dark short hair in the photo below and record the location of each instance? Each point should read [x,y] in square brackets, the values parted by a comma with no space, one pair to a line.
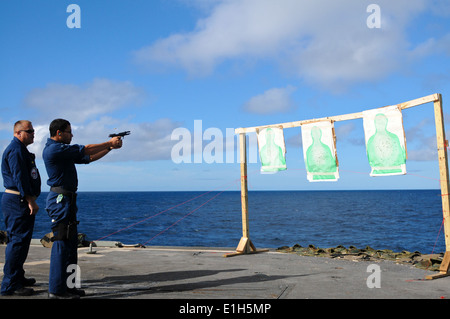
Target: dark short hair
[58,124]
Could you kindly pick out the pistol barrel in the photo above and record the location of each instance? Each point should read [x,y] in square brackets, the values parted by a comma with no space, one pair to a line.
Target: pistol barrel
[121,134]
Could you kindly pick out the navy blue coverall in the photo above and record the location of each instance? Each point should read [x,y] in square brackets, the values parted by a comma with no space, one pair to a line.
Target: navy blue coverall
[60,160]
[20,174]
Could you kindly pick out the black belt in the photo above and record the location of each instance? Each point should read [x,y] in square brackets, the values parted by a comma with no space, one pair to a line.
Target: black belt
[71,195]
[61,190]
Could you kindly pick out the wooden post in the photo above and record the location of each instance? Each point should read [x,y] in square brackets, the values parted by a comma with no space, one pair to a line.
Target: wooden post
[443,177]
[245,245]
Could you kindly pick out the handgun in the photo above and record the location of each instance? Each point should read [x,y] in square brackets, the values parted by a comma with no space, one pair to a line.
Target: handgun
[121,134]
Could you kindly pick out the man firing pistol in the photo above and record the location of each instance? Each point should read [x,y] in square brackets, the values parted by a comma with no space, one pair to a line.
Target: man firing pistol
[60,158]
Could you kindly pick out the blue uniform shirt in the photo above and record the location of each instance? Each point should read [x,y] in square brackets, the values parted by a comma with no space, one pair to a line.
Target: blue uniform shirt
[19,170]
[60,160]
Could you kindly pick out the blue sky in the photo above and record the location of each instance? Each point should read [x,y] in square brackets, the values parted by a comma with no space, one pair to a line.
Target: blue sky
[154,66]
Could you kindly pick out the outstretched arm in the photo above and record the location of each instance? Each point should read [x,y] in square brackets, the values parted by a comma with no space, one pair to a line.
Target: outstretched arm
[97,151]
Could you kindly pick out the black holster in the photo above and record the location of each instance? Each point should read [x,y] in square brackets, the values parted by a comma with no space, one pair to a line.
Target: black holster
[64,231]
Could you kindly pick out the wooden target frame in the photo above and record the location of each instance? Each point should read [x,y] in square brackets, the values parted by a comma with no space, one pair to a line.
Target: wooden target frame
[246,246]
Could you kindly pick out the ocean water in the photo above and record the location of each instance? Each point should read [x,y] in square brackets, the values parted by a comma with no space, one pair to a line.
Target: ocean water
[386,219]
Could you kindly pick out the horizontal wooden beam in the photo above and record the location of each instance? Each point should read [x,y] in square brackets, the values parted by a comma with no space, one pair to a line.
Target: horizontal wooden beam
[345,117]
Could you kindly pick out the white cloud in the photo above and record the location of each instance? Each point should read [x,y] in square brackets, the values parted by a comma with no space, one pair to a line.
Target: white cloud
[6,126]
[147,141]
[440,7]
[40,137]
[89,108]
[421,141]
[432,46]
[271,101]
[324,42]
[80,103]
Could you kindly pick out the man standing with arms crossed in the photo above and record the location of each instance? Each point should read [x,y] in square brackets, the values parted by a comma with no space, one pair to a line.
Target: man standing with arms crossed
[23,185]
[60,158]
